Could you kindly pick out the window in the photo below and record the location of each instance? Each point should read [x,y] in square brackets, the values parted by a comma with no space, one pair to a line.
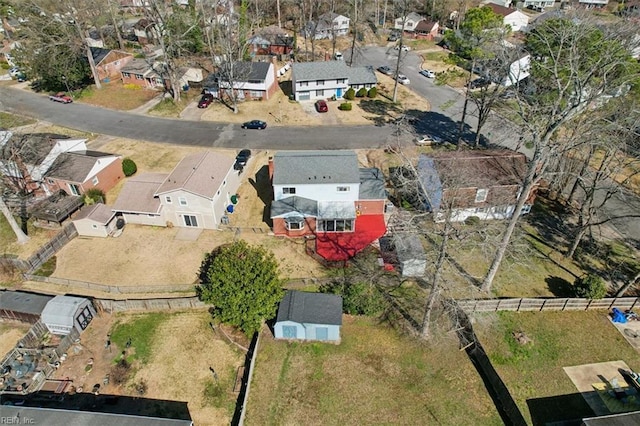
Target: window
[255,81]
[168,199]
[294,223]
[94,181]
[481,195]
[341,81]
[289,331]
[344,189]
[256,94]
[182,201]
[94,226]
[126,75]
[526,209]
[319,82]
[190,221]
[138,77]
[290,191]
[50,181]
[304,83]
[75,189]
[116,63]
[224,183]
[335,225]
[319,92]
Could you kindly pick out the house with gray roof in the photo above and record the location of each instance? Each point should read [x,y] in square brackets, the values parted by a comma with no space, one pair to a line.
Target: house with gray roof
[309,316]
[325,79]
[327,195]
[22,306]
[110,62]
[95,220]
[249,80]
[196,194]
[76,172]
[328,26]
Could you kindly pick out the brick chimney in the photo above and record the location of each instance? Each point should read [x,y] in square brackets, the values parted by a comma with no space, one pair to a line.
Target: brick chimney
[271,169]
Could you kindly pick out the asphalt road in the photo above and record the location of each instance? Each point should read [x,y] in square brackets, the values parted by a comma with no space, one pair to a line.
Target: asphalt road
[200,133]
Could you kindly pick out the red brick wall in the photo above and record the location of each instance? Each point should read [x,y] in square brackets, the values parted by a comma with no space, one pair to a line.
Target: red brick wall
[280,228]
[107,179]
[133,80]
[497,196]
[109,68]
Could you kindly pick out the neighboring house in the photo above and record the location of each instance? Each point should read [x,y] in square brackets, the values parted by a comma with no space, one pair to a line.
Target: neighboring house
[195,194]
[271,41]
[62,314]
[309,316]
[96,220]
[538,3]
[142,74]
[517,20]
[145,30]
[518,71]
[324,194]
[485,184]
[21,306]
[110,62]
[504,3]
[426,30]
[322,80]
[78,171]
[407,23]
[328,25]
[249,80]
[26,158]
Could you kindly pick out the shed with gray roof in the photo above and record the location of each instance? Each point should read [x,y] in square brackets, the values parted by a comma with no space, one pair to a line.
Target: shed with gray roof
[22,306]
[62,314]
[309,316]
[95,221]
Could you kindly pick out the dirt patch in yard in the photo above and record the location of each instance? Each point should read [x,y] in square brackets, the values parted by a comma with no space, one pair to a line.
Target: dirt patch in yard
[10,333]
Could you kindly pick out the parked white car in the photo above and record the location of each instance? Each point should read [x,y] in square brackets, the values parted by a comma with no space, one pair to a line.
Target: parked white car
[403,79]
[405,48]
[427,140]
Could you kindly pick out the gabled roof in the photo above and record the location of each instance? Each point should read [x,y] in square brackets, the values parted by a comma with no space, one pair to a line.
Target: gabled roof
[32,148]
[27,303]
[290,205]
[315,167]
[329,17]
[97,212]
[138,194]
[252,70]
[372,184]
[200,174]
[139,66]
[479,169]
[99,54]
[322,70]
[413,16]
[310,308]
[361,75]
[408,247]
[425,26]
[61,309]
[75,166]
[500,10]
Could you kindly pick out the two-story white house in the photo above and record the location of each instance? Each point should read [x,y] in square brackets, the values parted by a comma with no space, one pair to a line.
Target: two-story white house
[517,20]
[322,80]
[196,194]
[407,23]
[328,25]
[326,195]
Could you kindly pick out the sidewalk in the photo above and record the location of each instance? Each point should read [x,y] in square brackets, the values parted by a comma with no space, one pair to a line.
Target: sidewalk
[143,109]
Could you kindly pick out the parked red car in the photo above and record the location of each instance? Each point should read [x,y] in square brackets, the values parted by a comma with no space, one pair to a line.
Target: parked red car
[206,100]
[321,106]
[61,97]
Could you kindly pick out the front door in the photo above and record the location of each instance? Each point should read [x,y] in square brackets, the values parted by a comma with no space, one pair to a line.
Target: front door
[339,92]
[322,333]
[190,221]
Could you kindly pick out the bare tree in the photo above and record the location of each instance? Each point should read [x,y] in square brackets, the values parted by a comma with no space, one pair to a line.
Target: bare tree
[569,71]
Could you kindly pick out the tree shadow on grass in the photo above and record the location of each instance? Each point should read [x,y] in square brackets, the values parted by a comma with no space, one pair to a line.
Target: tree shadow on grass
[559,286]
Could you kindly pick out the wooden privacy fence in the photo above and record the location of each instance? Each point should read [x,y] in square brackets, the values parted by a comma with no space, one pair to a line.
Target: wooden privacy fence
[555,304]
[149,304]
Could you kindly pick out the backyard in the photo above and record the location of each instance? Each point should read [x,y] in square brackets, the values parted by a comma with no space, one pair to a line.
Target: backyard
[10,333]
[170,358]
[374,376]
[533,371]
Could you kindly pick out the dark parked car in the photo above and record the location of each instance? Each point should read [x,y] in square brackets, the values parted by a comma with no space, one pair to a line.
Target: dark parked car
[480,82]
[243,156]
[205,101]
[393,37]
[254,124]
[385,70]
[321,106]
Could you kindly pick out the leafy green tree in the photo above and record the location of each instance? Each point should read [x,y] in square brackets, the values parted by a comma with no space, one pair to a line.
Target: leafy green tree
[94,195]
[358,298]
[590,287]
[129,167]
[242,283]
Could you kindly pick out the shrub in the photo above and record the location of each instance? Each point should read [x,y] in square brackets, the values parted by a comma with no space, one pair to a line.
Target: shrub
[590,287]
[129,167]
[346,106]
[350,94]
[94,195]
[362,92]
[373,92]
[472,220]
[120,372]
[357,298]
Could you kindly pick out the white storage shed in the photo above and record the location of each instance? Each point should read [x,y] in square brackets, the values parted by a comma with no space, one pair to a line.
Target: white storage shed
[64,313]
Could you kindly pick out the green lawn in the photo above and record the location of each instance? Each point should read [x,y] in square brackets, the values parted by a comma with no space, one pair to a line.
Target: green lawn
[141,330]
[559,339]
[375,376]
[8,121]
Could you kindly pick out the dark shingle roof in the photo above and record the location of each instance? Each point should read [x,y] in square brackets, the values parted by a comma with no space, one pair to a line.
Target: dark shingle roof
[75,166]
[32,148]
[295,204]
[315,167]
[372,184]
[99,54]
[27,303]
[313,308]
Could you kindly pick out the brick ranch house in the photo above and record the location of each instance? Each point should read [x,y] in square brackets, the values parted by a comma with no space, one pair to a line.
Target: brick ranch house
[253,80]
[326,196]
[485,184]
